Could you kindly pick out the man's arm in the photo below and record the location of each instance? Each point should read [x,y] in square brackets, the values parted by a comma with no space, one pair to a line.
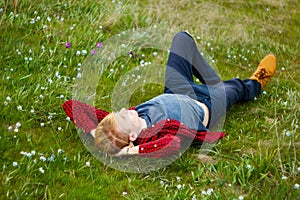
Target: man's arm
[84,116]
[126,151]
[163,147]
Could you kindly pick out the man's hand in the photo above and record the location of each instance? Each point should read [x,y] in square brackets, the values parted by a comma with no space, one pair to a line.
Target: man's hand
[128,150]
[123,151]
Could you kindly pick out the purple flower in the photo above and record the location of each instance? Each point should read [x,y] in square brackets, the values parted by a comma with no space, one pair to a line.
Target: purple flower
[93,52]
[99,44]
[68,44]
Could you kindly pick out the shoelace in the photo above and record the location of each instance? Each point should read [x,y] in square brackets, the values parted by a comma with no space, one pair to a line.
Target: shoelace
[261,74]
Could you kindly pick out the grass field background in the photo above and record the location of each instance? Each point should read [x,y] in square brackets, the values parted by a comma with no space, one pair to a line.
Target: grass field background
[44,45]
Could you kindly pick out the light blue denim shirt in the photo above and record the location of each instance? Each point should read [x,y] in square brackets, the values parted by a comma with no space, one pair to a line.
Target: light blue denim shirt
[172,106]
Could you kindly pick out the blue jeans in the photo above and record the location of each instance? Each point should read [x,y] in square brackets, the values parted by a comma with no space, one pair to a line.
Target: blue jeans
[185,61]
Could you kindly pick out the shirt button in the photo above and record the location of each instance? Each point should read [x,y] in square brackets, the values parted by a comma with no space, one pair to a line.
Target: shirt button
[155,145]
[142,149]
[152,126]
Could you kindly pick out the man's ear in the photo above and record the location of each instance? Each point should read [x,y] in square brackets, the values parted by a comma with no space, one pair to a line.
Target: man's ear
[133,136]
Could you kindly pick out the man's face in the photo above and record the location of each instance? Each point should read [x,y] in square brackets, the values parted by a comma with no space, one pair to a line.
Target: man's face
[128,121]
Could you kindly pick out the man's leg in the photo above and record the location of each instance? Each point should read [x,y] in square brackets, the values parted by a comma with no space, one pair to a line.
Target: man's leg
[223,95]
[238,90]
[184,61]
[243,90]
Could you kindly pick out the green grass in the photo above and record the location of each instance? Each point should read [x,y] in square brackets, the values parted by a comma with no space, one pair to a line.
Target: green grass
[259,157]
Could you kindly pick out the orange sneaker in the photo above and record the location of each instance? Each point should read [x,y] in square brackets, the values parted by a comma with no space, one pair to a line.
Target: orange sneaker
[265,70]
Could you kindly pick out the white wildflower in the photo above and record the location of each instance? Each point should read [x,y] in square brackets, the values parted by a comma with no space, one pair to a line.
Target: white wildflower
[41,170]
[283,177]
[15,164]
[60,151]
[18,124]
[84,52]
[209,191]
[43,158]
[52,157]
[27,154]
[288,133]
[179,186]
[57,74]
[194,197]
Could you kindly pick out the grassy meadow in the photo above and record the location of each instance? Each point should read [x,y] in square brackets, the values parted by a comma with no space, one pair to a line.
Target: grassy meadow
[44,46]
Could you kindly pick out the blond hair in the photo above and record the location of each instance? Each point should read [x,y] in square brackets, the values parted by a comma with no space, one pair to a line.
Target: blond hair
[108,137]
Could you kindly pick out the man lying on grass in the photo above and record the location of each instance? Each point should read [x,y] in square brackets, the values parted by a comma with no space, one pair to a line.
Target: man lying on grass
[186,111]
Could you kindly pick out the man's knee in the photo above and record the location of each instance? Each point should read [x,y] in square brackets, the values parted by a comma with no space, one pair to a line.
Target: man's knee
[183,37]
